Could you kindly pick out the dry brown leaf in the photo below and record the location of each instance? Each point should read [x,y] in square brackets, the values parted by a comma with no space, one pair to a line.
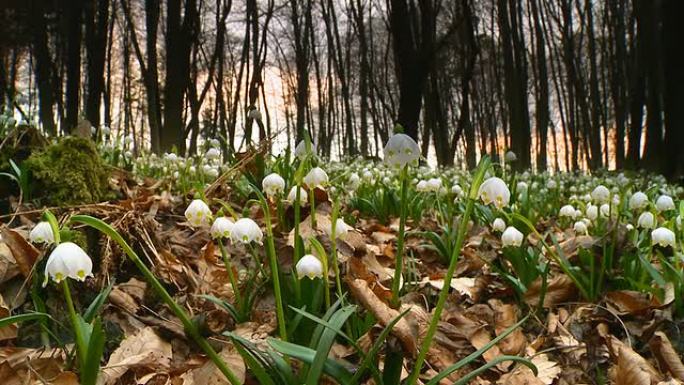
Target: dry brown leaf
[547,370]
[209,374]
[8,332]
[8,265]
[560,289]
[521,375]
[632,369]
[24,253]
[505,316]
[144,350]
[667,356]
[384,314]
[463,285]
[19,366]
[630,302]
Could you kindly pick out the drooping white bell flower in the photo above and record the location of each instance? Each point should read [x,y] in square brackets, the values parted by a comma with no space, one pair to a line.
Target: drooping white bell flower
[198,213]
[171,157]
[457,190]
[601,194]
[605,210]
[42,233]
[552,184]
[663,236]
[309,266]
[664,203]
[341,229]
[221,228]
[592,212]
[68,260]
[210,171]
[301,150]
[401,150]
[580,227]
[215,143]
[510,156]
[638,201]
[494,190]
[499,225]
[646,220]
[511,237]
[213,154]
[521,187]
[317,177]
[246,230]
[434,184]
[303,196]
[567,211]
[105,130]
[354,181]
[254,113]
[422,186]
[629,227]
[273,185]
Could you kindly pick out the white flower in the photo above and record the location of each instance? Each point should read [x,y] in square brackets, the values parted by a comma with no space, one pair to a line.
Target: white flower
[273,185]
[401,150]
[341,229]
[567,211]
[580,227]
[68,260]
[221,228]
[592,212]
[456,189]
[499,225]
[434,184]
[214,143]
[292,195]
[646,220]
[105,130]
[638,201]
[422,186]
[494,190]
[664,203]
[601,194]
[663,236]
[309,266]
[210,171]
[213,154]
[198,213]
[316,178]
[42,233]
[511,237]
[521,187]
[128,140]
[171,157]
[510,157]
[354,181]
[551,184]
[605,210]
[301,150]
[629,227]
[254,113]
[246,230]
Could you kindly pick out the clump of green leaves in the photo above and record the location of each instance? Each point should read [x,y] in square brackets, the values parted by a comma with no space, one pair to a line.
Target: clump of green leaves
[69,172]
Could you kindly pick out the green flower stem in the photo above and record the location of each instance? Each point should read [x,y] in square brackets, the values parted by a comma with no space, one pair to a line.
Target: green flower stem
[81,346]
[444,293]
[274,266]
[313,208]
[333,249]
[399,265]
[190,327]
[231,276]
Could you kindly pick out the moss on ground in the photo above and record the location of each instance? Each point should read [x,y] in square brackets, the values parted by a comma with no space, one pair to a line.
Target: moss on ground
[69,172]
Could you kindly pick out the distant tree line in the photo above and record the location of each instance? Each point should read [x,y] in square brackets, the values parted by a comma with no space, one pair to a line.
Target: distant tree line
[565,84]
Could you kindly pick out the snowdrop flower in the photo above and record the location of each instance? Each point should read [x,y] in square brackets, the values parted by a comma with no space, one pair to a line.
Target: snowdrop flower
[316,178]
[301,150]
[215,143]
[494,190]
[616,199]
[567,211]
[511,237]
[401,150]
[592,212]
[605,210]
[254,113]
[551,184]
[221,228]
[273,185]
[213,154]
[341,229]
[521,187]
[663,236]
[510,156]
[105,130]
[638,201]
[198,213]
[629,227]
[246,230]
[386,180]
[171,157]
[128,140]
[578,213]
[211,172]
[309,266]
[367,174]
[42,233]
[354,181]
[68,260]
[434,184]
[601,194]
[664,203]
[128,154]
[646,220]
[422,186]
[499,225]
[580,227]
[456,189]
[303,196]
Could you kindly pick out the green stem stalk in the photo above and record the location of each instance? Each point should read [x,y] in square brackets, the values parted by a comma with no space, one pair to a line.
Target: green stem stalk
[75,324]
[231,276]
[274,268]
[399,264]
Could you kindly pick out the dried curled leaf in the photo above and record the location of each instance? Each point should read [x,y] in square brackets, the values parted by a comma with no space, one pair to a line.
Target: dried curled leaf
[667,356]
